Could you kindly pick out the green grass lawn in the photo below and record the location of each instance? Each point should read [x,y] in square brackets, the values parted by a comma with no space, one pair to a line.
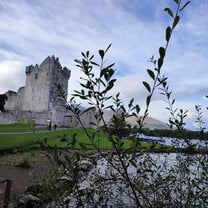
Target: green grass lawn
[53,138]
[17,127]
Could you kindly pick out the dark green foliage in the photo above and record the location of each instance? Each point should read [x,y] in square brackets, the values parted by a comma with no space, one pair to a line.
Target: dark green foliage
[169,11]
[147,86]
[158,78]
[176,119]
[199,118]
[93,86]
[176,20]
[184,6]
[174,133]
[151,73]
[177,1]
[168,33]
[3,99]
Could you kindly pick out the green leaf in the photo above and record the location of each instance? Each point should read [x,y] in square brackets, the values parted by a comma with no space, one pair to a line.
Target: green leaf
[108,48]
[82,92]
[148,99]
[131,102]
[164,84]
[169,11]
[163,80]
[78,61]
[151,74]
[147,86]
[83,54]
[176,1]
[103,71]
[160,63]
[168,33]
[162,52]
[102,53]
[111,72]
[187,3]
[173,102]
[176,20]
[110,86]
[169,94]
[137,108]
[91,57]
[92,62]
[171,122]
[102,82]
[106,76]
[110,66]
[76,93]
[87,53]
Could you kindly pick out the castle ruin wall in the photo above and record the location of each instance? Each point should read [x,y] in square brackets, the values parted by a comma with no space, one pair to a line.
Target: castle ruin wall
[37,98]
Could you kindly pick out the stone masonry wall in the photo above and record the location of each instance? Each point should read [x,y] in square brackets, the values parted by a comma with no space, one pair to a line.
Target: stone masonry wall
[38,95]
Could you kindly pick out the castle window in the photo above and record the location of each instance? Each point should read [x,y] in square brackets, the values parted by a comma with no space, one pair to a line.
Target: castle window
[36,75]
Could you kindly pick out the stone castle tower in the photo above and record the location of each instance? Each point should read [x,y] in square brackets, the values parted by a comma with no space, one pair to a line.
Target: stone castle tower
[37,99]
[40,84]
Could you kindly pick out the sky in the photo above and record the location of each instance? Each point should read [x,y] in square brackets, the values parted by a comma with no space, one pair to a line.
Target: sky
[31,30]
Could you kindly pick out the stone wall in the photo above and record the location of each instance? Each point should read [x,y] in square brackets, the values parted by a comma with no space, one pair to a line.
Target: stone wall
[37,100]
[15,99]
[25,117]
[38,97]
[36,89]
[7,118]
[58,117]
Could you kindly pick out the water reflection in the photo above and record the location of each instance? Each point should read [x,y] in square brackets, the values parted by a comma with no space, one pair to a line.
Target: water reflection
[152,171]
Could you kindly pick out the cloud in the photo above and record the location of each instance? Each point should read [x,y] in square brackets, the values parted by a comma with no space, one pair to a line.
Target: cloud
[11,75]
[32,30]
[130,87]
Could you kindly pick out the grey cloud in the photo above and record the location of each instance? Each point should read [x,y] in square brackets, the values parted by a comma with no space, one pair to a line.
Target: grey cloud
[36,29]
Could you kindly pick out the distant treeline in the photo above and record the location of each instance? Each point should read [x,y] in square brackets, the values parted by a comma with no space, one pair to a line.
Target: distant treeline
[185,134]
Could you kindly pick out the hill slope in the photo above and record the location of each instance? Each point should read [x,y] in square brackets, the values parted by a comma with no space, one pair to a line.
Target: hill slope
[151,123]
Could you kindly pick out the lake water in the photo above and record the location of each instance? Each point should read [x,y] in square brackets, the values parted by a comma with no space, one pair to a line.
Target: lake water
[145,170]
[177,173]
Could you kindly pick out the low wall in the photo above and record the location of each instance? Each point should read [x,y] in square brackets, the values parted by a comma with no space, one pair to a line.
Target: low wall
[42,118]
[7,118]
[10,117]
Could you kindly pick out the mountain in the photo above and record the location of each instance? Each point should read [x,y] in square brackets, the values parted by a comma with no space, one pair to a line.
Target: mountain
[151,123]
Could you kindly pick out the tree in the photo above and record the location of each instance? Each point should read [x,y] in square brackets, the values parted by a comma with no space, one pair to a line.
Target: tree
[3,99]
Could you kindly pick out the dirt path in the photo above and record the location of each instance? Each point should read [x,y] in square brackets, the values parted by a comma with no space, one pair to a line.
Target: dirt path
[14,167]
